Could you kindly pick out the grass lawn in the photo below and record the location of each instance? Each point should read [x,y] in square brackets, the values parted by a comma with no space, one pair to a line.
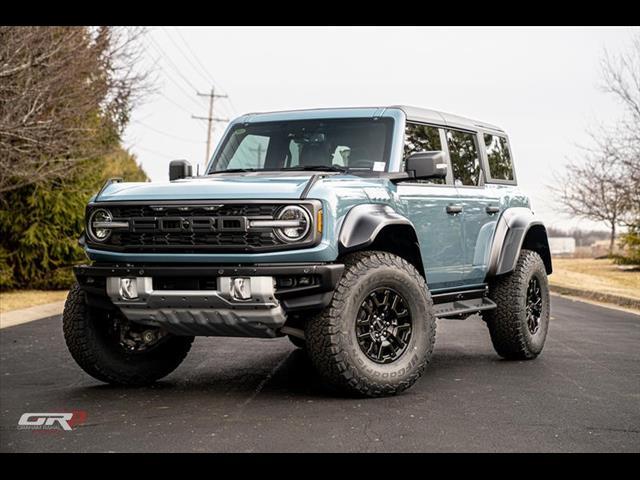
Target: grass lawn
[601,276]
[28,298]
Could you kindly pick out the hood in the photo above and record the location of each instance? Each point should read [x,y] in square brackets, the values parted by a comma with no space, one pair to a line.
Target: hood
[217,187]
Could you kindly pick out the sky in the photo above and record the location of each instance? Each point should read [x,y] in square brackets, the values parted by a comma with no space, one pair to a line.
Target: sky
[541,85]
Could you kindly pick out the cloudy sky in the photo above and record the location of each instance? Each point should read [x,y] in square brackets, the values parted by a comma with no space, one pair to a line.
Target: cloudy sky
[540,84]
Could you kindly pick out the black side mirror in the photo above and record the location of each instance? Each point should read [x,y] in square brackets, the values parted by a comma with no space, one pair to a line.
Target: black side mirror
[423,165]
[179,169]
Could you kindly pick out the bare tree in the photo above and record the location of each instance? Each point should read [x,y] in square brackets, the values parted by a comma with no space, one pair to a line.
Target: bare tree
[604,185]
[592,189]
[621,78]
[65,96]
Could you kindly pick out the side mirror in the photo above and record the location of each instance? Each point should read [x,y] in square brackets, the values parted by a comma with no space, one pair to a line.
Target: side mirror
[179,169]
[423,165]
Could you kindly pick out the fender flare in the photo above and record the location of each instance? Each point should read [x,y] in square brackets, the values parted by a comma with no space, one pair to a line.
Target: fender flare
[512,229]
[363,223]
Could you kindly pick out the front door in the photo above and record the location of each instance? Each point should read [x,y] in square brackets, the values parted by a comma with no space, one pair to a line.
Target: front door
[433,210]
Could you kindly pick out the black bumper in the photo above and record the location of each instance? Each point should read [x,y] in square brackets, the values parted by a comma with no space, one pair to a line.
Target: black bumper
[315,296]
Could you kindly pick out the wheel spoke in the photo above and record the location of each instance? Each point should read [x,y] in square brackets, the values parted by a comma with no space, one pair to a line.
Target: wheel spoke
[379,354]
[397,341]
[381,342]
[534,305]
[396,298]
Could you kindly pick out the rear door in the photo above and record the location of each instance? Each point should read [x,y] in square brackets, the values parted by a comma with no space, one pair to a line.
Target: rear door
[481,203]
[431,207]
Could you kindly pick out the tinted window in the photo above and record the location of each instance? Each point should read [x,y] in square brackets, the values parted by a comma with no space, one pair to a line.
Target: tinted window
[422,138]
[465,161]
[357,144]
[500,166]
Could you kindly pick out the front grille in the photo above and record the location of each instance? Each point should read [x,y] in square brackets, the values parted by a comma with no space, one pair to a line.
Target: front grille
[240,240]
[192,228]
[224,210]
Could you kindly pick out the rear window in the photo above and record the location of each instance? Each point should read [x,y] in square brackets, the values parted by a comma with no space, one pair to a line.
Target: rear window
[499,156]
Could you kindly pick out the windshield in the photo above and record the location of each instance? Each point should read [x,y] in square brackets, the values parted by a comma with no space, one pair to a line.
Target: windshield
[342,144]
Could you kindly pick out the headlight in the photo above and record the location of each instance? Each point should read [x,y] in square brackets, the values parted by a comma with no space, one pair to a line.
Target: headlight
[96,228]
[299,220]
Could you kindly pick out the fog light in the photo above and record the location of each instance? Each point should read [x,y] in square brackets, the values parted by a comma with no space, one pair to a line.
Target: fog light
[240,288]
[128,288]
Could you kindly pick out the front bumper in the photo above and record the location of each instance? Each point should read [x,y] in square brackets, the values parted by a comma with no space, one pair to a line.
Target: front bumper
[197,300]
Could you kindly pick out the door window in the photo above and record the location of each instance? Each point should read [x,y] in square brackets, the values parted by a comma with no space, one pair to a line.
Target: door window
[422,138]
[465,159]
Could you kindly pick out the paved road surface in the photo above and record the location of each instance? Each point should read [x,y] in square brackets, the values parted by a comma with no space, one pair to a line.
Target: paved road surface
[581,394]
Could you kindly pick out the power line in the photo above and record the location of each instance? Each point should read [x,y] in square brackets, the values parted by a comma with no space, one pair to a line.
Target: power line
[182,90]
[175,103]
[204,69]
[166,134]
[171,64]
[184,55]
[155,152]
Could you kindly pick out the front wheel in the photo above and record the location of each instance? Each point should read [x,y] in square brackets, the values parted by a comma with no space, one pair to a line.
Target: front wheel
[376,336]
[518,326]
[113,350]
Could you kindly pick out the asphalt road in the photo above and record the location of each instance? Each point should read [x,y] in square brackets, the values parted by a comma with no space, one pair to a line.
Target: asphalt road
[582,394]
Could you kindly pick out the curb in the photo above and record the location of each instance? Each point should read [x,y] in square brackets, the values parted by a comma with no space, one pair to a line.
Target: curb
[619,300]
[24,315]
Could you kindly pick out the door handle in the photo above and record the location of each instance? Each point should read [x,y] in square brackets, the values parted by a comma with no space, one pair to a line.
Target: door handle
[492,209]
[453,209]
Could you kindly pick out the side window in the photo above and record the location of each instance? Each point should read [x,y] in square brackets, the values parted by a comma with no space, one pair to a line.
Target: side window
[422,138]
[250,153]
[500,165]
[465,160]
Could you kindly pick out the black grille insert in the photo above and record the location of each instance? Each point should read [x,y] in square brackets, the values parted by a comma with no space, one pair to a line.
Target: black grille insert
[193,228]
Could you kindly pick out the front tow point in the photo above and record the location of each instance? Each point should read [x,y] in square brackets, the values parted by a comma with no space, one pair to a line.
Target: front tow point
[240,288]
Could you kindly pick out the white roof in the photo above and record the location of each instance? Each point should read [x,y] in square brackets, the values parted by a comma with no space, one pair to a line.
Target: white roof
[413,113]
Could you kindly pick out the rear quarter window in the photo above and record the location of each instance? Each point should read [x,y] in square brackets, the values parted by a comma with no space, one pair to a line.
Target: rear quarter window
[499,157]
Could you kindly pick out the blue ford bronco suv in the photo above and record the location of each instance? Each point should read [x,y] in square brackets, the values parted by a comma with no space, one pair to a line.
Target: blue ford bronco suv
[348,230]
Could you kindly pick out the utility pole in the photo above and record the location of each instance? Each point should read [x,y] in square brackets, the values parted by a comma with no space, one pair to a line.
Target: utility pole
[210,119]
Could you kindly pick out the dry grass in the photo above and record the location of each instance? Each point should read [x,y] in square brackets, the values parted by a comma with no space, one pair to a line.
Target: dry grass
[29,298]
[595,275]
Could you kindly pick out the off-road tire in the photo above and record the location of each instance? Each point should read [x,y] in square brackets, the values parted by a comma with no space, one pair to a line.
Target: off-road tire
[331,335]
[102,357]
[298,342]
[507,323]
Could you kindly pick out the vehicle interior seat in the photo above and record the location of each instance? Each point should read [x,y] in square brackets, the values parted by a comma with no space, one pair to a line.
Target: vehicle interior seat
[315,154]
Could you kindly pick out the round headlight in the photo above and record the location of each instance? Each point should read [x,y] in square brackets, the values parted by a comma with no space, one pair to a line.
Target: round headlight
[96,231]
[301,223]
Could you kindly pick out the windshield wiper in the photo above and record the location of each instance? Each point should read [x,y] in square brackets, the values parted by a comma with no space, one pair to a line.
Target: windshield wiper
[234,170]
[327,168]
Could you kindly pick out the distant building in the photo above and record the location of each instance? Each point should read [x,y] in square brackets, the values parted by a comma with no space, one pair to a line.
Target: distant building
[562,245]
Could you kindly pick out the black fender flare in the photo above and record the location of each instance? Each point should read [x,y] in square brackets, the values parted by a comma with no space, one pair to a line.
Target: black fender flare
[517,228]
[363,223]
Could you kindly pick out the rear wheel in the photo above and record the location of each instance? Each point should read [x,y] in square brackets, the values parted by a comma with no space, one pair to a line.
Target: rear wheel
[519,324]
[377,335]
[113,350]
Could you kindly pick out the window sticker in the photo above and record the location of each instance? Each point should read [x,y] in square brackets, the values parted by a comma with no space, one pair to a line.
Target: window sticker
[378,166]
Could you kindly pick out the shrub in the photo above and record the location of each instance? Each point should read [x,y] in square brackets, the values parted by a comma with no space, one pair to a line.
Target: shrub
[630,243]
[41,224]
